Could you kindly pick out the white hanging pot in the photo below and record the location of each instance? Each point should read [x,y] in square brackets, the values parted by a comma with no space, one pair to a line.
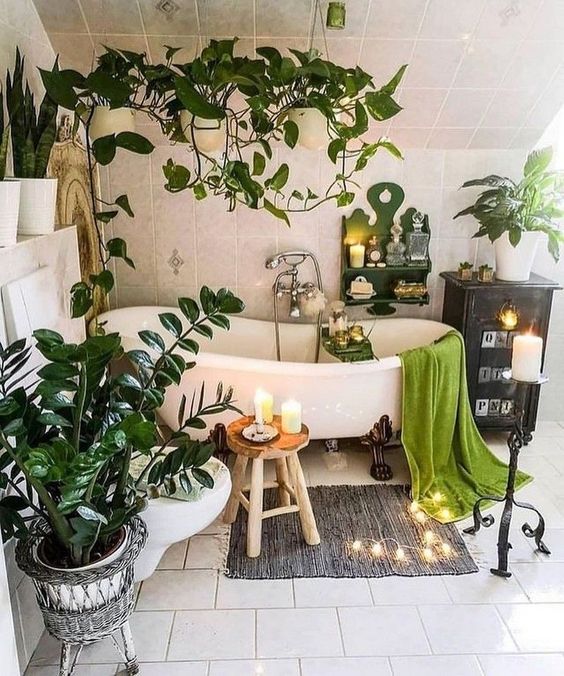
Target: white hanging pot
[9,211]
[514,263]
[209,135]
[312,126]
[38,199]
[106,121]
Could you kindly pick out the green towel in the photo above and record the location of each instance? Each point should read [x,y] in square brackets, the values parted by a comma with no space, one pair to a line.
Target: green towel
[450,464]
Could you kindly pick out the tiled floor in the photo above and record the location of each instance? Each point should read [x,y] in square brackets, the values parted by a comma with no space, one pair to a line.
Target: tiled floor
[192,621]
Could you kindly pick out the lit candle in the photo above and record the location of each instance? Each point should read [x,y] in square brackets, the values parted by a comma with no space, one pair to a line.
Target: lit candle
[356,255]
[264,404]
[291,417]
[527,357]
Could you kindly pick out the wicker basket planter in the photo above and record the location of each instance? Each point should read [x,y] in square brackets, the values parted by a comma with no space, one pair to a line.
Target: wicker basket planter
[82,606]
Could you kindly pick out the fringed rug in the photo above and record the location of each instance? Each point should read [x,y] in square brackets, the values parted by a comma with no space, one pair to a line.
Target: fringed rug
[345,514]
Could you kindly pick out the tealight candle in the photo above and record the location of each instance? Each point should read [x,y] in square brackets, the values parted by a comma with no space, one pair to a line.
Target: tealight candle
[527,358]
[291,417]
[264,405]
[356,255]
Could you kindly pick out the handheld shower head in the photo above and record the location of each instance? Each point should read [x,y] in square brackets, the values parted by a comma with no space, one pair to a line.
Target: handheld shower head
[273,262]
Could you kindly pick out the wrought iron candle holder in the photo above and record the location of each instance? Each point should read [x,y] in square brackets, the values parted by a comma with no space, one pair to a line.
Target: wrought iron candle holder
[516,440]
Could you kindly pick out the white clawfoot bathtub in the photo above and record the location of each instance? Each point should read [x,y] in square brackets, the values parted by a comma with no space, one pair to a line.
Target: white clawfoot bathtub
[338,399]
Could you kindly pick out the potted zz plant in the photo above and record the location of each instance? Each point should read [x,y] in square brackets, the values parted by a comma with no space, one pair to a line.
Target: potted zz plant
[515,215]
[33,136]
[9,190]
[67,445]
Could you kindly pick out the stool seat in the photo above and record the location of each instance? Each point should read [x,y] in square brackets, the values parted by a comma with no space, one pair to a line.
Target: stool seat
[290,481]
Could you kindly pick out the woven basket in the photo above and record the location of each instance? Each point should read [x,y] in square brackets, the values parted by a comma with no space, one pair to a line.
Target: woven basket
[82,607]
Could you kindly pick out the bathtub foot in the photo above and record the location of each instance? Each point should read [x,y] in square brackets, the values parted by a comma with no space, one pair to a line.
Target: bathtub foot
[376,439]
[219,437]
[332,445]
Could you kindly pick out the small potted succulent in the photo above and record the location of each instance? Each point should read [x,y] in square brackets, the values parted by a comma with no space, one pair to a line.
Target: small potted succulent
[9,190]
[485,273]
[465,271]
[514,216]
[67,444]
[33,135]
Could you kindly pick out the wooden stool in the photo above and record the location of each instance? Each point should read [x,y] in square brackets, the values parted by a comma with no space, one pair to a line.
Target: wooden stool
[289,481]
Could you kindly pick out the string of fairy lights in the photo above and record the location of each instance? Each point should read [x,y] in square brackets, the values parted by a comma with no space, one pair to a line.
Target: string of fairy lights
[432,547]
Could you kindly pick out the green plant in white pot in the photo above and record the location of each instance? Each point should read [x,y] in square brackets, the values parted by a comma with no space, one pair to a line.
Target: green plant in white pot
[33,136]
[9,190]
[515,216]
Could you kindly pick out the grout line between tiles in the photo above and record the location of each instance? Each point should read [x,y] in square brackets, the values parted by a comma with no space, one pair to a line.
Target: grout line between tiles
[341,632]
[425,633]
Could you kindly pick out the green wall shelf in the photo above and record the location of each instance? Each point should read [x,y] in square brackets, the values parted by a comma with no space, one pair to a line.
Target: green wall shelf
[385,199]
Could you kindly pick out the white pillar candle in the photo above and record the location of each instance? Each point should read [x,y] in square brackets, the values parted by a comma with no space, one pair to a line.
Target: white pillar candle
[527,358]
[264,405]
[291,417]
[356,255]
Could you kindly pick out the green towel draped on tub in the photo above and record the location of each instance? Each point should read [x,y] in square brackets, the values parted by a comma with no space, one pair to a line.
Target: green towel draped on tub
[447,457]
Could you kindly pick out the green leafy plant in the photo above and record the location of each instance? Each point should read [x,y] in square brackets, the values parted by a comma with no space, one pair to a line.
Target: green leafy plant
[4,138]
[33,133]
[71,437]
[534,204]
[485,268]
[465,265]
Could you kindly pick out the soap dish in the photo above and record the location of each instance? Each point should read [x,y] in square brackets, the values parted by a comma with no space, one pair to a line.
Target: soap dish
[361,296]
[259,433]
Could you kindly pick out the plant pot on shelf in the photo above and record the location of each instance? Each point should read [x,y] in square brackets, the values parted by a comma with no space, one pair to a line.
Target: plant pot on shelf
[38,200]
[171,520]
[9,211]
[514,263]
[83,605]
[209,135]
[312,126]
[106,121]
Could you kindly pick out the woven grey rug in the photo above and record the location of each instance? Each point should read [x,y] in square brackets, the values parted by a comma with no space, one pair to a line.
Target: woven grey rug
[344,514]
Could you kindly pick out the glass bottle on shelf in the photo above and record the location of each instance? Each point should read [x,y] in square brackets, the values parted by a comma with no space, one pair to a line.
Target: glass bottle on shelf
[338,320]
[373,252]
[395,249]
[417,241]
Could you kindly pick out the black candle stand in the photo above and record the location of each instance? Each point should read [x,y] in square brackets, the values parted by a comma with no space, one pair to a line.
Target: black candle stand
[516,440]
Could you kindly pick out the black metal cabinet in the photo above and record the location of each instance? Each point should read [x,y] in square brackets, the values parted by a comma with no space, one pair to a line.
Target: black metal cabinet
[472,308]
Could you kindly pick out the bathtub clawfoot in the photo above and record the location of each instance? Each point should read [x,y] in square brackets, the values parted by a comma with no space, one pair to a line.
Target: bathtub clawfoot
[332,445]
[376,439]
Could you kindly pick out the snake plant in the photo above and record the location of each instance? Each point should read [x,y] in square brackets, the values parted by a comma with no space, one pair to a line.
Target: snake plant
[33,133]
[4,136]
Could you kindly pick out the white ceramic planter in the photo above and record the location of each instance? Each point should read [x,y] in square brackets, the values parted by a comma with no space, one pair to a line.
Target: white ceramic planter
[169,521]
[106,121]
[209,135]
[9,211]
[514,263]
[75,598]
[38,199]
[312,125]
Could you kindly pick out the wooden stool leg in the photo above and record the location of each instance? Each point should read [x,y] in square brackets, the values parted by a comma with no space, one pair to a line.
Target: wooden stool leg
[254,524]
[307,519]
[237,481]
[282,478]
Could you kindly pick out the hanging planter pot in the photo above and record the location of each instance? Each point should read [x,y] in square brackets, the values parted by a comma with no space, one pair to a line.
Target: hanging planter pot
[514,263]
[209,135]
[312,126]
[106,121]
[9,211]
[38,200]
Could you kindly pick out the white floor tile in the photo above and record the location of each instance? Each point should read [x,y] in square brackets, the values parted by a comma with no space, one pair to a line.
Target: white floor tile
[173,558]
[542,584]
[212,634]
[544,445]
[385,630]
[80,670]
[437,665]
[302,632]
[535,627]
[174,669]
[331,592]
[483,587]
[548,428]
[204,551]
[408,590]
[346,666]
[255,668]
[454,630]
[538,466]
[554,540]
[254,593]
[522,665]
[178,590]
